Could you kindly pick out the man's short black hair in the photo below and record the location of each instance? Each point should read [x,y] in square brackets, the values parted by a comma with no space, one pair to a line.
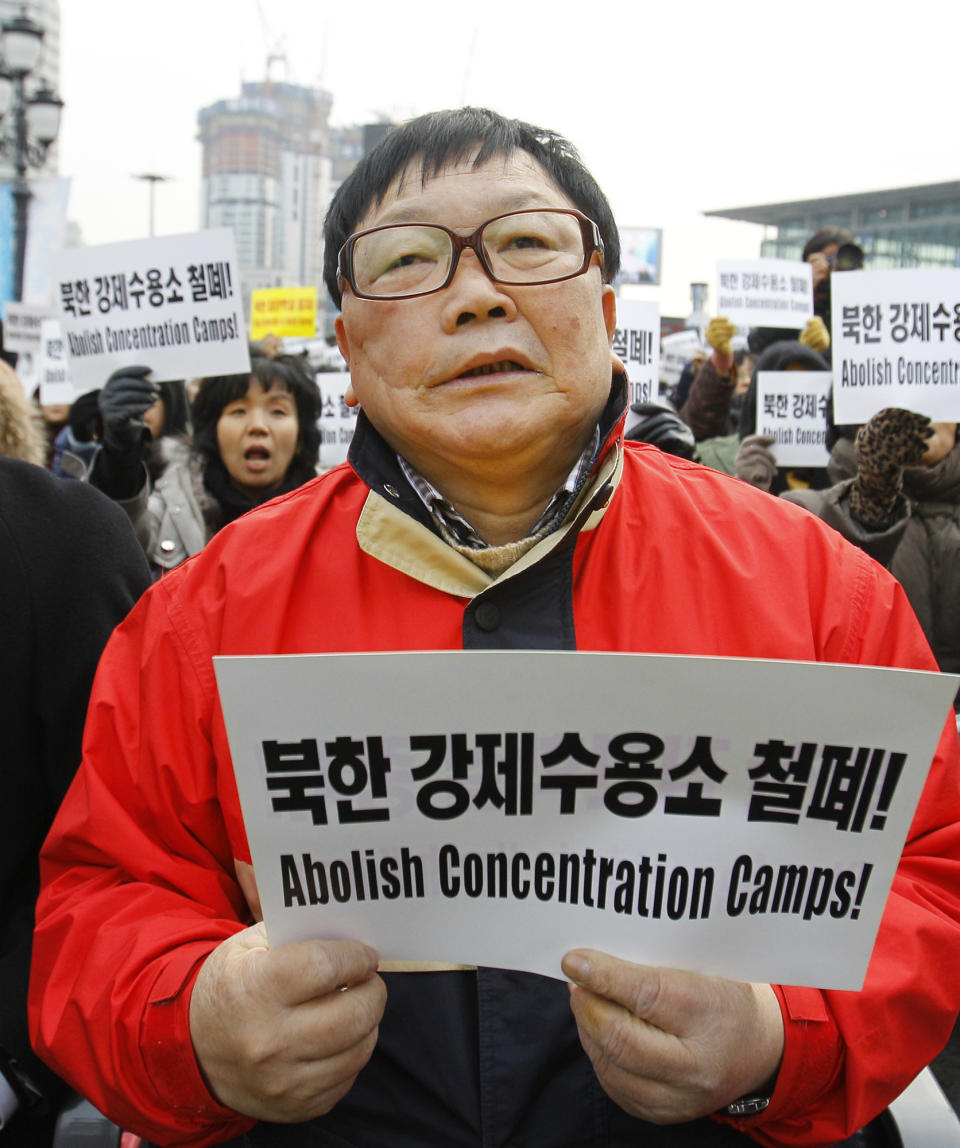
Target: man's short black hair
[288,373]
[439,139]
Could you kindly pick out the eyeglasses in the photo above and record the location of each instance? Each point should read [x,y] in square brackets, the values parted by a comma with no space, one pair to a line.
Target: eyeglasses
[520,248]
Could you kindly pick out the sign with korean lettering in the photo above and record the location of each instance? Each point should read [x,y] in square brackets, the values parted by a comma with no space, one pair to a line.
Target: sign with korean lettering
[283,311]
[736,817]
[896,343]
[21,326]
[337,421]
[54,377]
[636,342]
[792,409]
[170,303]
[765,292]
[676,351]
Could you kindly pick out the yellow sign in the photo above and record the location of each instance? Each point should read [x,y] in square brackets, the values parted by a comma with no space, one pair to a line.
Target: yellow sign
[283,311]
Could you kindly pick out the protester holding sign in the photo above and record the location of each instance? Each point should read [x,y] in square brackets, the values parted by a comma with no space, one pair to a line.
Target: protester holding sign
[754,462]
[140,421]
[253,437]
[897,496]
[490,504]
[830,249]
[712,406]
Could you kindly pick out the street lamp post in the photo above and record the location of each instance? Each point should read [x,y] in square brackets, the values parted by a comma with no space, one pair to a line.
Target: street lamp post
[35,123]
[153,179]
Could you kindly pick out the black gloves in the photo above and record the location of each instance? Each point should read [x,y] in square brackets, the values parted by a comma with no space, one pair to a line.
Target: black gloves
[127,394]
[118,468]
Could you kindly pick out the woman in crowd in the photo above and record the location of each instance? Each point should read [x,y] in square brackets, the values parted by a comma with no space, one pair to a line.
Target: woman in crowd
[22,432]
[254,436]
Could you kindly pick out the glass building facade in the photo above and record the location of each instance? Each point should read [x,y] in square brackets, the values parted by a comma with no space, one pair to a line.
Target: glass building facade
[902,227]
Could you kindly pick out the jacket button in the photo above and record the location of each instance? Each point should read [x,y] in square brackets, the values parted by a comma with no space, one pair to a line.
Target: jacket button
[487,616]
[168,546]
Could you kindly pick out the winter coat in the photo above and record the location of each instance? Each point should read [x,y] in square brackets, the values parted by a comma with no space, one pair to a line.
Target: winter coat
[70,569]
[148,867]
[921,549]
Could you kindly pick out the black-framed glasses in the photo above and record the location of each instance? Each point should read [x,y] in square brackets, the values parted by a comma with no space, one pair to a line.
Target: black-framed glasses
[519,248]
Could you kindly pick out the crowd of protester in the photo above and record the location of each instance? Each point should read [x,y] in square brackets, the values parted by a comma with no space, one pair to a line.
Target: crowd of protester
[145,473]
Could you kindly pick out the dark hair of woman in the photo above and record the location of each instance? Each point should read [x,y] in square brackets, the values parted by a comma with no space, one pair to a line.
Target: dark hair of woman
[288,372]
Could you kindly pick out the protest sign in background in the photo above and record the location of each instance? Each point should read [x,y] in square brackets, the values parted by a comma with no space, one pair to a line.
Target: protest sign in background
[792,409]
[283,311]
[676,351]
[337,421]
[21,326]
[56,385]
[765,292]
[636,342]
[737,817]
[896,343]
[170,303]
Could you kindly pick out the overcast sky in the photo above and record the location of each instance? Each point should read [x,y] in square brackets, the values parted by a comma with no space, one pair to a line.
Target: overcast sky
[677,108]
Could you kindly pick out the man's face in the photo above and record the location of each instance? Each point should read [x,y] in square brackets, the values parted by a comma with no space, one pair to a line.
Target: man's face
[481,379]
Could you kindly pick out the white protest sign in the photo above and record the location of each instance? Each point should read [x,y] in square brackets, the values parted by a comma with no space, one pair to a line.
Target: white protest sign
[170,303]
[896,343]
[337,421]
[792,408]
[676,351]
[28,371]
[765,292]
[21,326]
[56,385]
[636,341]
[736,817]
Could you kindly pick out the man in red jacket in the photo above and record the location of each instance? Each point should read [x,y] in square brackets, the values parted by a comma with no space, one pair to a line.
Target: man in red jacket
[489,502]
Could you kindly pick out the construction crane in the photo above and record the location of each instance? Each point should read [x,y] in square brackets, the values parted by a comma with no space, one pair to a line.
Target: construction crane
[275,50]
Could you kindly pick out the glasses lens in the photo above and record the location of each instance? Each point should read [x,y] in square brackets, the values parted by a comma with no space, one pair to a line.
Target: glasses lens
[401,260]
[534,246]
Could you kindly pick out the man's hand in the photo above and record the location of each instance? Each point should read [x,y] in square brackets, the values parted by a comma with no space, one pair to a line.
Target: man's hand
[670,1046]
[124,399]
[280,1034]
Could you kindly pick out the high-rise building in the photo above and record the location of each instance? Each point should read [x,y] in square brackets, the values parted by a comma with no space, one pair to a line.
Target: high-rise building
[266,175]
[271,164]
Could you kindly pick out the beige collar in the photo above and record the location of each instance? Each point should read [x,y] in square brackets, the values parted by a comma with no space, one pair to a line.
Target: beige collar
[388,534]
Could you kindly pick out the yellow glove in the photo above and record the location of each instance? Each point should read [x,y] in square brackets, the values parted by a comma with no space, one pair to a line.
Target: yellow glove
[815,335]
[719,333]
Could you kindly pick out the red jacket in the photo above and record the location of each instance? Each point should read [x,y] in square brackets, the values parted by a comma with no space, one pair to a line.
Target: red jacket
[665,557]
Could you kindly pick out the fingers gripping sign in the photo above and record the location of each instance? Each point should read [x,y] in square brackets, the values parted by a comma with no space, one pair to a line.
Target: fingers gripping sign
[280,1034]
[670,1046]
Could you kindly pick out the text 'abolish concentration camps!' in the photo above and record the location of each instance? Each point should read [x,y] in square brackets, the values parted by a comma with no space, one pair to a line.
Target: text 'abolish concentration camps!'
[641,887]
